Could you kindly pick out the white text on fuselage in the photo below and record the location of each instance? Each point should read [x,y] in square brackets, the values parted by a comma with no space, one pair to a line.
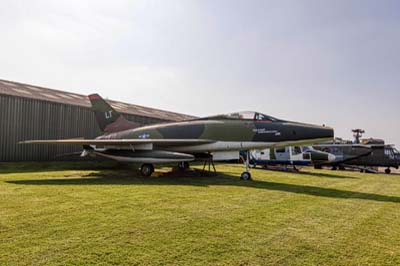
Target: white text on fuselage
[144,136]
[264,131]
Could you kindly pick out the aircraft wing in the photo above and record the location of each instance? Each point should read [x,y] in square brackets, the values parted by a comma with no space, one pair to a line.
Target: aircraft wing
[121,142]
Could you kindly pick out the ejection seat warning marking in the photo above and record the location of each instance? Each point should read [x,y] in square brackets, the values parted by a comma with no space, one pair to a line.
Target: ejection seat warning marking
[108,114]
[264,131]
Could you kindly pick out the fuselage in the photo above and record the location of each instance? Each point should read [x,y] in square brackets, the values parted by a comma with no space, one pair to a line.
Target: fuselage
[383,157]
[362,155]
[228,134]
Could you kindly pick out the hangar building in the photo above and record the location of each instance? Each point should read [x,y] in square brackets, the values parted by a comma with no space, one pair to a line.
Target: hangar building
[32,112]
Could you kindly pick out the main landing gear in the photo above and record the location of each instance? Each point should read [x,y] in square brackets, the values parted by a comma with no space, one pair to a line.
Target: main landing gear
[388,171]
[147,169]
[183,166]
[246,175]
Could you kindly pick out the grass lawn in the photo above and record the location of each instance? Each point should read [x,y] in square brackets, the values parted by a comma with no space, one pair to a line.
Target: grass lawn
[65,214]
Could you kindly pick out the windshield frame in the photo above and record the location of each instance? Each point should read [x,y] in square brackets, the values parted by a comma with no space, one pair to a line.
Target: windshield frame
[245,115]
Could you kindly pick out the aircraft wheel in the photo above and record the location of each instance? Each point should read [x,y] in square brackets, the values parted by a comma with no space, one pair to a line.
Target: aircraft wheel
[317,167]
[245,176]
[183,165]
[334,168]
[362,171]
[388,171]
[146,169]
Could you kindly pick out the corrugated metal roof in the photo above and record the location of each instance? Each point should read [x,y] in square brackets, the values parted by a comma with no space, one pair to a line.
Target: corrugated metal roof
[45,94]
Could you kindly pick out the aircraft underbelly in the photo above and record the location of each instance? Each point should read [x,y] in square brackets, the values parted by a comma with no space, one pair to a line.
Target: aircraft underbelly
[240,146]
[221,146]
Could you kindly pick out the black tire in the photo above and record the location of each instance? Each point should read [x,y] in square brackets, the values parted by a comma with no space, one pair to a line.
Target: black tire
[246,176]
[334,168]
[317,167]
[147,169]
[183,165]
[388,171]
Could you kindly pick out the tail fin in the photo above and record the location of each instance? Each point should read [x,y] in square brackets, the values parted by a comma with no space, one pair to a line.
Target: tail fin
[107,118]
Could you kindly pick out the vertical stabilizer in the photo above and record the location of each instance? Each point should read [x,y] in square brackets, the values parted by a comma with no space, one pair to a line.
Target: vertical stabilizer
[107,118]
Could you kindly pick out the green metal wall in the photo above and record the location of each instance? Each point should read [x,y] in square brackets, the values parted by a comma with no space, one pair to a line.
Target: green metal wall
[24,119]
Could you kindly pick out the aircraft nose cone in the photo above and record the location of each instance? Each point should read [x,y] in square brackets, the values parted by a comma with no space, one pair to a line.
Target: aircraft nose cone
[327,132]
[318,132]
[331,158]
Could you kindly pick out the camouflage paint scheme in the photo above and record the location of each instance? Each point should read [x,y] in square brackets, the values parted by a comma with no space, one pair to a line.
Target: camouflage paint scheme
[224,129]
[233,132]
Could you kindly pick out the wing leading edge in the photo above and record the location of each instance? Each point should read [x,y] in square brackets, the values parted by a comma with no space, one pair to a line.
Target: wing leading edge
[121,142]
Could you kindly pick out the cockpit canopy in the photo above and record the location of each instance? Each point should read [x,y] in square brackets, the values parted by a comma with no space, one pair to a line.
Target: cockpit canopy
[247,115]
[391,151]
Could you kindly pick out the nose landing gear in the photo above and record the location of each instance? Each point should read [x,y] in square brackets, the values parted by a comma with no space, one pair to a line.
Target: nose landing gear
[246,175]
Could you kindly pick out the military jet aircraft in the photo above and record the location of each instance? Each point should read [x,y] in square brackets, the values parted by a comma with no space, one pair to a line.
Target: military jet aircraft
[216,136]
[293,156]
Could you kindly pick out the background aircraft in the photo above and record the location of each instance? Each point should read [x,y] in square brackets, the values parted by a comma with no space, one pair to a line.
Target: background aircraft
[293,156]
[362,154]
[221,136]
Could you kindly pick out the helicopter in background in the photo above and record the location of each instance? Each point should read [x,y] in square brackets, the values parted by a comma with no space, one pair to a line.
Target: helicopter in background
[362,154]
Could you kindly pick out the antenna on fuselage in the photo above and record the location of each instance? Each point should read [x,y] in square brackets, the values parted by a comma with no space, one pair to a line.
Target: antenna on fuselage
[357,134]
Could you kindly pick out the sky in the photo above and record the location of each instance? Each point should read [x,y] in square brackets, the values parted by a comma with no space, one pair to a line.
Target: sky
[324,62]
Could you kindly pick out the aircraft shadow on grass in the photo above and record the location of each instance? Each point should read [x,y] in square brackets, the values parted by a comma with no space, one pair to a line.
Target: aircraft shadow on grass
[326,175]
[323,175]
[35,167]
[123,177]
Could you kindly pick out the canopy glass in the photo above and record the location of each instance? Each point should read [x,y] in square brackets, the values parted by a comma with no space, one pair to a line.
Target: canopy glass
[247,115]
